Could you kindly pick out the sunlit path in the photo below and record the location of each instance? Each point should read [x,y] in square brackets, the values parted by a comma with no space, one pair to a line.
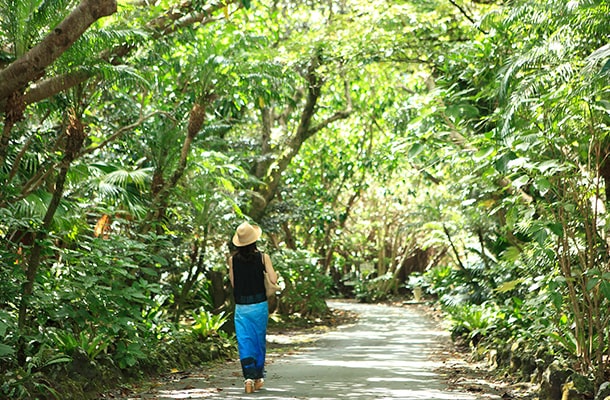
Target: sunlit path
[387,354]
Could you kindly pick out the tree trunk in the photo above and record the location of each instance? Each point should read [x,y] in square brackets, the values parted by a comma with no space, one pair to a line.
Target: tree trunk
[604,170]
[13,114]
[75,138]
[266,156]
[219,294]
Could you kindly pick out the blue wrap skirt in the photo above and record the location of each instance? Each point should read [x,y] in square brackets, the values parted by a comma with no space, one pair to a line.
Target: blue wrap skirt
[251,332]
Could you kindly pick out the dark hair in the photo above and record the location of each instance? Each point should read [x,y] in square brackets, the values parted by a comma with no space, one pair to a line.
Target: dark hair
[247,253]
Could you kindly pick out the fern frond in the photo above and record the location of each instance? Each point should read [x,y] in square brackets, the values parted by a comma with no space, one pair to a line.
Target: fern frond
[49,13]
[26,22]
[95,41]
[216,129]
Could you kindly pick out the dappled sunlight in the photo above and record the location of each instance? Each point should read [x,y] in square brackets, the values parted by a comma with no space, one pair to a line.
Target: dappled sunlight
[391,353]
[187,393]
[335,390]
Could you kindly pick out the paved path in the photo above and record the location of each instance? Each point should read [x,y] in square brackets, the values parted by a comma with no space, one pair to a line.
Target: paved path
[388,354]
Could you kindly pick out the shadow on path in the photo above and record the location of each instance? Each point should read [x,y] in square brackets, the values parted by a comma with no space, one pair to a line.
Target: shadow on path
[390,353]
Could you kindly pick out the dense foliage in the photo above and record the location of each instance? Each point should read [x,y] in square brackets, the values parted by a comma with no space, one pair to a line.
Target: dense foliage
[381,145]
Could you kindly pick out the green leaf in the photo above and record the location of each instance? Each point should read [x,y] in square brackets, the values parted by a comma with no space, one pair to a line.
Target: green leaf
[592,283]
[603,104]
[462,111]
[556,228]
[512,253]
[6,350]
[59,361]
[606,68]
[3,328]
[521,181]
[542,185]
[547,165]
[556,299]
[415,150]
[160,260]
[149,271]
[508,286]
[567,342]
[227,184]
[502,163]
[605,289]
[540,236]
[483,153]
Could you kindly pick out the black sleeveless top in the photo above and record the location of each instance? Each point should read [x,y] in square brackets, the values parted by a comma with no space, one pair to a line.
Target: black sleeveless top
[248,280]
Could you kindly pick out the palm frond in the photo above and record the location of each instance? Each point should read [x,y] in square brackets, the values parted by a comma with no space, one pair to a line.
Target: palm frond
[123,177]
[88,53]
[118,187]
[33,206]
[519,13]
[106,189]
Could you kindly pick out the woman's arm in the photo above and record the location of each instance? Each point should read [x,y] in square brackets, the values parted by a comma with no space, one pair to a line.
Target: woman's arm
[230,262]
[269,268]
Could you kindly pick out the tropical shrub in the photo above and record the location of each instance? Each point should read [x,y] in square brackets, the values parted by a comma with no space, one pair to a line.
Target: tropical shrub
[370,290]
[304,287]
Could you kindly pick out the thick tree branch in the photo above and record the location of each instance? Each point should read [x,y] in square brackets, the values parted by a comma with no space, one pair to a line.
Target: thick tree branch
[304,131]
[185,15]
[271,181]
[52,86]
[31,66]
[314,90]
[342,114]
[163,25]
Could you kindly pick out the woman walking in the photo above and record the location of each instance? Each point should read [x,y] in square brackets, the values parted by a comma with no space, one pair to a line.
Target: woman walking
[246,267]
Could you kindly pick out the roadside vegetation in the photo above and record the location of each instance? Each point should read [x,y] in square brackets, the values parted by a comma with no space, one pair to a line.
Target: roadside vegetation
[385,147]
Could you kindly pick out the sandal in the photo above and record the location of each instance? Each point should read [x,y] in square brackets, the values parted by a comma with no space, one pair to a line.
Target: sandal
[249,386]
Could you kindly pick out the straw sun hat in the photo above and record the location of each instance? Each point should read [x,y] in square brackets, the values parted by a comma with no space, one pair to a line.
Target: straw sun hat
[246,234]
